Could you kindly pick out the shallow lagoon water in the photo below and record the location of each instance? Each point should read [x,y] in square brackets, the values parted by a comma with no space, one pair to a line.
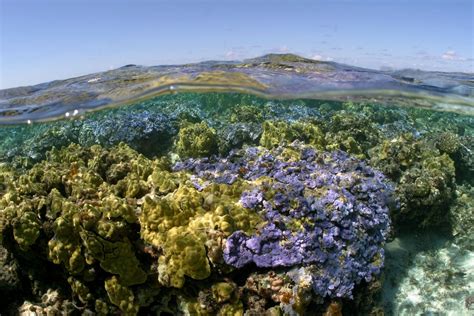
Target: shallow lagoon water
[253,241]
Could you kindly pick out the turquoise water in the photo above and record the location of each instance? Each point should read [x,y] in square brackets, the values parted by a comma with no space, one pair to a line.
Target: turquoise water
[206,203]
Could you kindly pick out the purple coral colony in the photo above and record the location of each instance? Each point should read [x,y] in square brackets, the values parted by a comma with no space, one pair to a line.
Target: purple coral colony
[326,210]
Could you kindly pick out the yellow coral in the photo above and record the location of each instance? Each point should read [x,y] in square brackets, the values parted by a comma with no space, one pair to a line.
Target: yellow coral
[120,296]
[114,257]
[279,132]
[26,229]
[181,222]
[196,140]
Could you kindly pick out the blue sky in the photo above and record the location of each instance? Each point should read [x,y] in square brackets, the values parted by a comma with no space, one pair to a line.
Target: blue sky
[43,40]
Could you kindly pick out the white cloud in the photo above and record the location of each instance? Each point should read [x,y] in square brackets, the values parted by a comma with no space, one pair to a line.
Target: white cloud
[451,55]
[231,54]
[282,49]
[236,53]
[321,58]
[277,50]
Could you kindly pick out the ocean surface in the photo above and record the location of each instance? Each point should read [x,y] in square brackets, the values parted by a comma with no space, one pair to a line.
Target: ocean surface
[272,186]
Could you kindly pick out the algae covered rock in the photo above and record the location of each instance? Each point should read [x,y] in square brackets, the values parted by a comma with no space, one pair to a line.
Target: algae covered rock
[426,190]
[448,142]
[247,114]
[461,150]
[462,211]
[236,135]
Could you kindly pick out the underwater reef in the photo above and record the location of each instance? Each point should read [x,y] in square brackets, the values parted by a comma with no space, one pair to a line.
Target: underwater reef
[226,204]
[322,219]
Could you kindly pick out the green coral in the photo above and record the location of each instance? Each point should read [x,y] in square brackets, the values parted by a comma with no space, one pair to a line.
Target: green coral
[246,113]
[196,140]
[353,133]
[277,133]
[65,247]
[425,178]
[223,291]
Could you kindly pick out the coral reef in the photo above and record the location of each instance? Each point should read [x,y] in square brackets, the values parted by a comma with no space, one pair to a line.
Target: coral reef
[96,211]
[150,132]
[228,204]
